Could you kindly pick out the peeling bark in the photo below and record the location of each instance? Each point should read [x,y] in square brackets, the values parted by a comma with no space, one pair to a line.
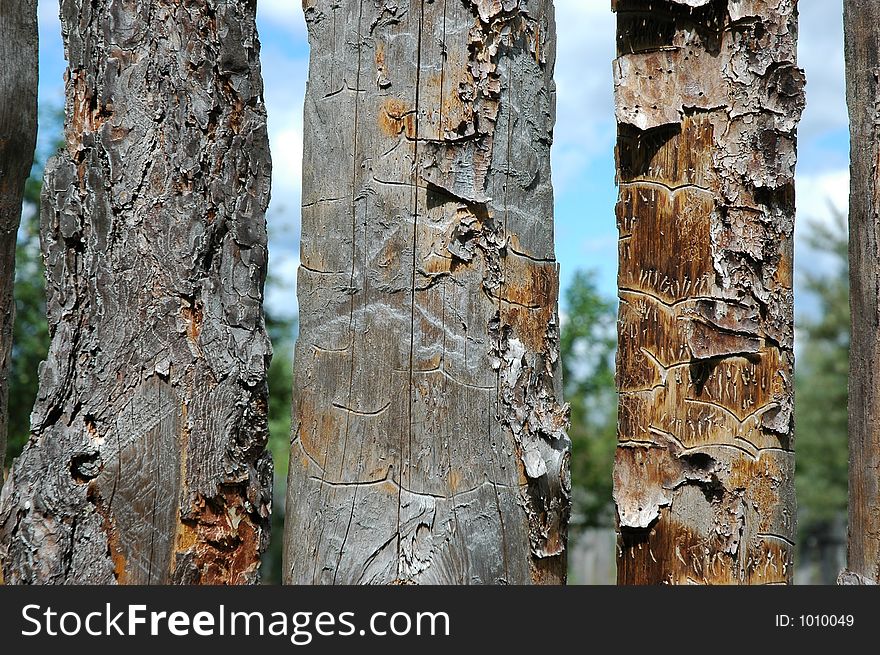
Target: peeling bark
[708,96]
[429,439]
[863,97]
[18,135]
[147,462]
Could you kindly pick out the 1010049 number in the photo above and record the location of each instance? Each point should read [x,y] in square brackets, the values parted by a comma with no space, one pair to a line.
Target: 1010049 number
[826,620]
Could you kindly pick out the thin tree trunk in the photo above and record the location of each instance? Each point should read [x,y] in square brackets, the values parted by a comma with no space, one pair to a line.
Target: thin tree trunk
[708,97]
[863,96]
[429,441]
[18,135]
[147,461]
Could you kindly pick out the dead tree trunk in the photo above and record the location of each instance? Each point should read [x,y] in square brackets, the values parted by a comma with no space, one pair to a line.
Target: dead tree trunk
[146,462]
[18,134]
[863,97]
[429,441]
[708,97]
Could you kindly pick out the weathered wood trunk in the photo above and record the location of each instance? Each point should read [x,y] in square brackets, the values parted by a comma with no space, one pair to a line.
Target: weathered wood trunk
[18,135]
[429,440]
[862,33]
[146,462]
[708,96]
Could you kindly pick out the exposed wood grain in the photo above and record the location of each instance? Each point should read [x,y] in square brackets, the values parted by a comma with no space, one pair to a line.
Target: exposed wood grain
[429,440]
[862,33]
[708,96]
[147,461]
[18,134]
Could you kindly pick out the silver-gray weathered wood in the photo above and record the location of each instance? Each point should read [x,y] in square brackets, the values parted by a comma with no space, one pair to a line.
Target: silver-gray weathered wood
[862,36]
[428,443]
[147,461]
[18,135]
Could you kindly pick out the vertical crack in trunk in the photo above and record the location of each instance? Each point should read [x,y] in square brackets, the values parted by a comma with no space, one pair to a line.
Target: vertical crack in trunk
[708,96]
[147,460]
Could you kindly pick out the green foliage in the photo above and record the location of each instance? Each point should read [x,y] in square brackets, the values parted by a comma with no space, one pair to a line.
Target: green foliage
[821,381]
[30,337]
[587,346]
[282,331]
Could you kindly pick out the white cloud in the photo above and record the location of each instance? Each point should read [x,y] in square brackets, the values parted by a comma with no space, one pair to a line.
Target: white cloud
[281,292]
[585,128]
[287,145]
[820,54]
[283,217]
[284,88]
[819,196]
[284,81]
[284,13]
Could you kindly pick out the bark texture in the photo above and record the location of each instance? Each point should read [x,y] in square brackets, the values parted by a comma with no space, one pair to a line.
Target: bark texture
[18,135]
[708,96]
[429,441]
[146,462]
[862,33]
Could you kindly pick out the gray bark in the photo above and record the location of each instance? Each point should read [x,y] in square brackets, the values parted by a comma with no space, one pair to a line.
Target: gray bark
[708,97]
[863,97]
[429,440]
[146,462]
[18,135]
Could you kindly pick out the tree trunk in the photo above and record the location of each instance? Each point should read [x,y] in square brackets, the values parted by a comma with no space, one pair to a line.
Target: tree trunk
[18,135]
[147,461]
[429,440]
[708,97]
[863,97]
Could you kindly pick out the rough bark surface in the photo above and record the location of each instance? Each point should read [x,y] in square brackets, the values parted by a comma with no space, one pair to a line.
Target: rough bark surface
[863,97]
[429,441]
[146,462]
[708,96]
[18,134]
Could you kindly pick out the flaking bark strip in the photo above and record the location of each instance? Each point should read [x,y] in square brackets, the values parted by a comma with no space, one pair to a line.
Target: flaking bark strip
[708,96]
[18,135]
[854,579]
[429,439]
[147,461]
[531,412]
[528,404]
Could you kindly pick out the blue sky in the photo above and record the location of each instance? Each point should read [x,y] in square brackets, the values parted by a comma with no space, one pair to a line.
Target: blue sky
[583,152]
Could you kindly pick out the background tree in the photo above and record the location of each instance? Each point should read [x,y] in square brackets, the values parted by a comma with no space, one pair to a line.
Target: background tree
[862,46]
[429,440]
[821,392]
[282,330]
[30,342]
[31,334]
[18,135]
[708,97]
[587,346]
[146,461]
